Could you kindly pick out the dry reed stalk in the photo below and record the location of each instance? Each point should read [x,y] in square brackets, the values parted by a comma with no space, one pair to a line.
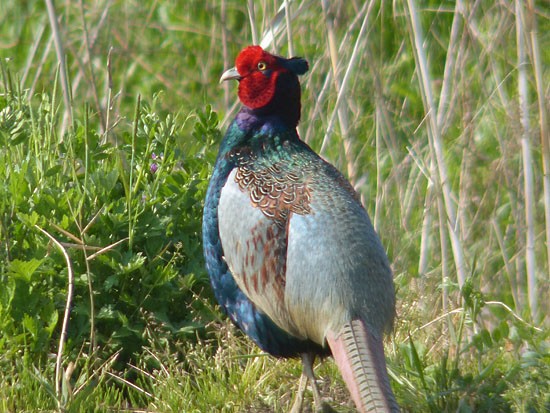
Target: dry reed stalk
[528,177]
[92,80]
[379,184]
[288,28]
[92,39]
[343,119]
[252,20]
[40,66]
[543,120]
[389,136]
[62,65]
[341,96]
[435,142]
[316,113]
[450,62]
[445,269]
[30,57]
[425,234]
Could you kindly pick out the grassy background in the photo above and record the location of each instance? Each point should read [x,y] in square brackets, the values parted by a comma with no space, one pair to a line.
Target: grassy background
[436,112]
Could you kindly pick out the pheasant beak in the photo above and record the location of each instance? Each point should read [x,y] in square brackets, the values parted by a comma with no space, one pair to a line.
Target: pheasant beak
[230,74]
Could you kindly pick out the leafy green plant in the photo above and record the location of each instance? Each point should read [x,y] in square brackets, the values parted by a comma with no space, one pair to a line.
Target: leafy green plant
[128,217]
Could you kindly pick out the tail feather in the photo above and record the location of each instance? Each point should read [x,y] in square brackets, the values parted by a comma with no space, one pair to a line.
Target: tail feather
[360,357]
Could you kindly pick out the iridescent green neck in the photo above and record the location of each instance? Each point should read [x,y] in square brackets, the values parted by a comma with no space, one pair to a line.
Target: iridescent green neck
[256,132]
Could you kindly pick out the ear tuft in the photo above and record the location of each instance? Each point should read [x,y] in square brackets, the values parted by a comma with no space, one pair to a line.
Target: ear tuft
[297,65]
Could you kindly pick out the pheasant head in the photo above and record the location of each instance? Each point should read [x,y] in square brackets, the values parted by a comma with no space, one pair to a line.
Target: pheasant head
[268,84]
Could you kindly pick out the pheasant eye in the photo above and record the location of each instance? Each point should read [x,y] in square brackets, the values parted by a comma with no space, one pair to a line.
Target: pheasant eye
[262,66]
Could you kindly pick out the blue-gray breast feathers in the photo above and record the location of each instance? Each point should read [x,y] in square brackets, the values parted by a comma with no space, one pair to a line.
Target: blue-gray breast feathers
[289,247]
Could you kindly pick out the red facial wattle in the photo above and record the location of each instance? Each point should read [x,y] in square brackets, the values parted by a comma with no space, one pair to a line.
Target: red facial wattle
[258,71]
[268,84]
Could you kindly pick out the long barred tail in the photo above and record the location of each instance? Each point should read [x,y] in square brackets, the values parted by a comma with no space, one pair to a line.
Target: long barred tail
[360,357]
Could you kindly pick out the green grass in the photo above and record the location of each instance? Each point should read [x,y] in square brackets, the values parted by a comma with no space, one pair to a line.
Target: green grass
[440,127]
